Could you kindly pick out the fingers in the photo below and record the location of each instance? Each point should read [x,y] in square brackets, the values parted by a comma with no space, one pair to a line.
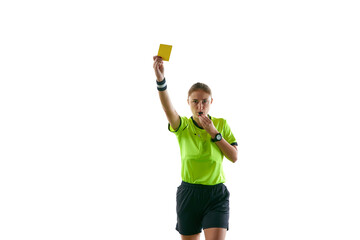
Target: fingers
[204,119]
[208,120]
[157,58]
[207,124]
[157,65]
[158,62]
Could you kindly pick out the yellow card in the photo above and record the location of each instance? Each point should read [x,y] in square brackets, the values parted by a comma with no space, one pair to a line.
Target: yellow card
[164,51]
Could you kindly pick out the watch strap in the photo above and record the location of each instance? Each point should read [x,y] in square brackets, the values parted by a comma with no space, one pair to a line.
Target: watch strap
[215,139]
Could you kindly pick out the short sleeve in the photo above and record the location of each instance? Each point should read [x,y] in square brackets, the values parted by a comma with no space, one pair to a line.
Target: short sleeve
[182,126]
[228,135]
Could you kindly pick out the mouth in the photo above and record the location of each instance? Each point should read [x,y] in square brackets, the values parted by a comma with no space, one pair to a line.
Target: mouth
[200,113]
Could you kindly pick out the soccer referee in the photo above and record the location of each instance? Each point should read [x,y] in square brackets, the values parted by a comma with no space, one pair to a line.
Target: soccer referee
[202,199]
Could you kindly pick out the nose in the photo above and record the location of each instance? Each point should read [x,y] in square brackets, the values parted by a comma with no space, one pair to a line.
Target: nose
[201,105]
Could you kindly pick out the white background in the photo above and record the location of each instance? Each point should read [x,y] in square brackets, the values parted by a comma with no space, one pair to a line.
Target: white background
[85,152]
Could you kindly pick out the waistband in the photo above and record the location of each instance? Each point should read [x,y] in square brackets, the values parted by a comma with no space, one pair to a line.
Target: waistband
[201,186]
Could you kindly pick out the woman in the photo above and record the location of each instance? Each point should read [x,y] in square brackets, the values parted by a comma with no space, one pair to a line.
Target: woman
[202,200]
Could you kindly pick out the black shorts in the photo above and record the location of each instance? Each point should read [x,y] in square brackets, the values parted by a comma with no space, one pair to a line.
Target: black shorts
[200,207]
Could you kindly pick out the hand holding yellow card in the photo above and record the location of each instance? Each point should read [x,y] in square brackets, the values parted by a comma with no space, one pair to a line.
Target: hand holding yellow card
[164,51]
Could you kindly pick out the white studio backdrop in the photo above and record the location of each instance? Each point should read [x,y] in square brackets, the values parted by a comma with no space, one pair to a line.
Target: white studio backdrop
[84,148]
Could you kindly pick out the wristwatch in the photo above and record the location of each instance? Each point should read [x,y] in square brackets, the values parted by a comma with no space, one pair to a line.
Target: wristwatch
[217,138]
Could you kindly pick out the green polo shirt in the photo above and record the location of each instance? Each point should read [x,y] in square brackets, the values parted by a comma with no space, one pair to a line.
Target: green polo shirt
[201,159]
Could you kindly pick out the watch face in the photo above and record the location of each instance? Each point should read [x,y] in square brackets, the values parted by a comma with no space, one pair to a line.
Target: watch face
[218,137]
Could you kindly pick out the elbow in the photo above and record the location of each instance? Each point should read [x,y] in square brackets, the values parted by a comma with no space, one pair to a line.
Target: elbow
[235,154]
[232,155]
[235,157]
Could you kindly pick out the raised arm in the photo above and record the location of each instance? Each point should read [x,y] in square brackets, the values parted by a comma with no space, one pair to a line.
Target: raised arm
[171,114]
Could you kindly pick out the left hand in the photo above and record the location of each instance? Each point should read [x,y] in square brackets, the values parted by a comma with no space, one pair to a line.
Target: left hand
[208,125]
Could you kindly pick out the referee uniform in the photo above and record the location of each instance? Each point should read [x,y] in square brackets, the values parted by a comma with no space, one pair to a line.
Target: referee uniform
[202,200]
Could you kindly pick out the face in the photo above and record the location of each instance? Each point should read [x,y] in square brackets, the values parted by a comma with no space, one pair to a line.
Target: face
[199,102]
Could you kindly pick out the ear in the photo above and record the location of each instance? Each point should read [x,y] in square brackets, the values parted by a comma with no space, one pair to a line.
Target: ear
[188,101]
[211,100]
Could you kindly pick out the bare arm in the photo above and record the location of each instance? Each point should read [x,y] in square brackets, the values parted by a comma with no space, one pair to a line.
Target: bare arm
[171,114]
[228,150]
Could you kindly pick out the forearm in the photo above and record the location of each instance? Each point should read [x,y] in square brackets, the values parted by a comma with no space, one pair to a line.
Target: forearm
[229,151]
[166,102]
[171,114]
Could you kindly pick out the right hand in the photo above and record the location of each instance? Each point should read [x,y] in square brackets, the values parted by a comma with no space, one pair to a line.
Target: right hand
[159,68]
